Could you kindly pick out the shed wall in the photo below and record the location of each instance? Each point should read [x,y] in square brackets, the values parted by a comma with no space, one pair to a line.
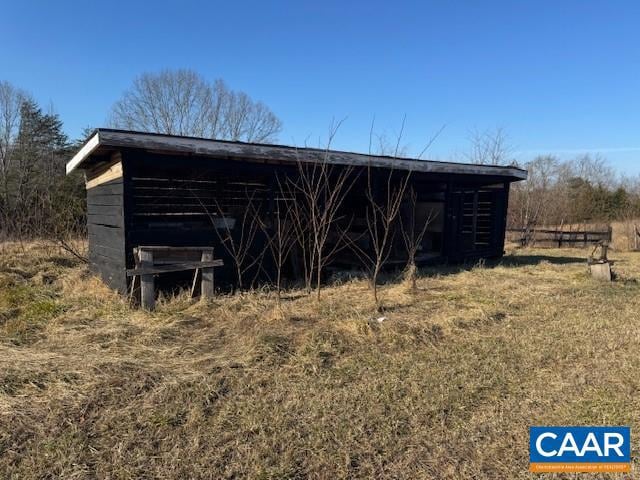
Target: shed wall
[106,226]
[174,200]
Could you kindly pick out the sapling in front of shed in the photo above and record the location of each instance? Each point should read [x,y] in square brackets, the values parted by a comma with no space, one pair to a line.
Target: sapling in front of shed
[146,189]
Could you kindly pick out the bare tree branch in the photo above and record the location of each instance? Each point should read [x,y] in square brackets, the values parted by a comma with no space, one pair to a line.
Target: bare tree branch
[413,234]
[181,102]
[490,147]
[321,188]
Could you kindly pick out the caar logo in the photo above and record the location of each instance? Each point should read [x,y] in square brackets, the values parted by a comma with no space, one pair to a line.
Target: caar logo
[579,449]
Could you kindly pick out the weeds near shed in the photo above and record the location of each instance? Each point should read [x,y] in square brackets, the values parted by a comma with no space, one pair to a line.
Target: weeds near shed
[445,386]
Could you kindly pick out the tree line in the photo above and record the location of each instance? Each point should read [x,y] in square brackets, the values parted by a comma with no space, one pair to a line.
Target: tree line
[37,198]
[584,189]
[580,190]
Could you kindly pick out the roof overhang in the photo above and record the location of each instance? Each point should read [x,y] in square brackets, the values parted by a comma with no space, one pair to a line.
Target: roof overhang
[103,140]
[85,152]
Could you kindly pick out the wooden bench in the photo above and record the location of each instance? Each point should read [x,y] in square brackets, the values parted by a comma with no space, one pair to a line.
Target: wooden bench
[154,260]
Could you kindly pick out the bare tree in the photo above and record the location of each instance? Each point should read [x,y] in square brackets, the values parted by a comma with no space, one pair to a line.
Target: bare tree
[242,246]
[238,235]
[558,192]
[280,234]
[303,238]
[384,200]
[11,99]
[320,190]
[182,102]
[384,191]
[413,231]
[385,145]
[531,201]
[489,147]
[594,169]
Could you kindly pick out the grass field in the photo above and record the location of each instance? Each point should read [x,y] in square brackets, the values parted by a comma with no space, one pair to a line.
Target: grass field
[445,387]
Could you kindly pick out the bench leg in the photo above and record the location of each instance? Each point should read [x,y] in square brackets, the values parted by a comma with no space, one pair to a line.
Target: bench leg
[206,284]
[147,287]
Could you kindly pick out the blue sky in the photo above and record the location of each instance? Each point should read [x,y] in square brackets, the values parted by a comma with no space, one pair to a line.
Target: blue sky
[558,76]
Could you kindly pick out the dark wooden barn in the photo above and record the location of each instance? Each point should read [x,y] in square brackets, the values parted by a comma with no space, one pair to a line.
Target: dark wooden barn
[152,189]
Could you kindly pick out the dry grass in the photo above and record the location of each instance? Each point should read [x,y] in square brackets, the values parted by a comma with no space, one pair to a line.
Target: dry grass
[445,387]
[624,235]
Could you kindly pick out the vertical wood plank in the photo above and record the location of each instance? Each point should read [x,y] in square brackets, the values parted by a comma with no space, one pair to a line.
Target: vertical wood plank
[474,224]
[448,224]
[147,288]
[502,227]
[206,284]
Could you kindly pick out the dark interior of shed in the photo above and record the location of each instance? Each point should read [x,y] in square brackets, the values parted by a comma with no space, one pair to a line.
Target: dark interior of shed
[185,201]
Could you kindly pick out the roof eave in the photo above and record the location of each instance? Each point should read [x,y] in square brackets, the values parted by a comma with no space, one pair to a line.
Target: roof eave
[205,147]
[87,149]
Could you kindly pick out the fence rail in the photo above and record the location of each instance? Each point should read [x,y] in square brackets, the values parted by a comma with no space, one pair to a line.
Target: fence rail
[549,237]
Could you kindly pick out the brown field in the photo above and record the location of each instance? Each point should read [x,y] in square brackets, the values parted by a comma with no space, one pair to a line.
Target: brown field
[445,387]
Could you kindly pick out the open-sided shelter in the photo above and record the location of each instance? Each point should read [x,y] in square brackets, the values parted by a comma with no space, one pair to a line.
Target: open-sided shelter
[164,190]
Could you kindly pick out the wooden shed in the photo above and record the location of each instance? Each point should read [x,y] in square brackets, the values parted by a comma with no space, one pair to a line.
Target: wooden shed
[154,189]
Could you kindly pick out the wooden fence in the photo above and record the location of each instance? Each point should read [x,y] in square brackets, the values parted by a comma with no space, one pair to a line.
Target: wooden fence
[550,237]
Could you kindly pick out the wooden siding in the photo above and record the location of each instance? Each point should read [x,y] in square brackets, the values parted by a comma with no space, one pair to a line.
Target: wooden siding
[111,172]
[106,230]
[171,202]
[168,200]
[476,219]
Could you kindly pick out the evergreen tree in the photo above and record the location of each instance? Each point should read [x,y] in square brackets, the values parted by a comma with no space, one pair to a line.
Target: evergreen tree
[40,200]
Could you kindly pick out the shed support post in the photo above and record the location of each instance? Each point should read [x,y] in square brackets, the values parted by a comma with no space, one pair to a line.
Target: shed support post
[206,284]
[147,287]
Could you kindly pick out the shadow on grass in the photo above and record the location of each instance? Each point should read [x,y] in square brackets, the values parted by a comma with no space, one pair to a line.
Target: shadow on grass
[394,275]
[294,290]
[522,260]
[509,261]
[287,296]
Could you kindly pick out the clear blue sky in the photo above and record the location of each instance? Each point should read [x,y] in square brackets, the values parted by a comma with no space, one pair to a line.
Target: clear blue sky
[559,76]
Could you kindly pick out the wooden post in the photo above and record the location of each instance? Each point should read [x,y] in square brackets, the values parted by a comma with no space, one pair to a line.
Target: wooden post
[147,287]
[610,233]
[206,284]
[194,283]
[134,280]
